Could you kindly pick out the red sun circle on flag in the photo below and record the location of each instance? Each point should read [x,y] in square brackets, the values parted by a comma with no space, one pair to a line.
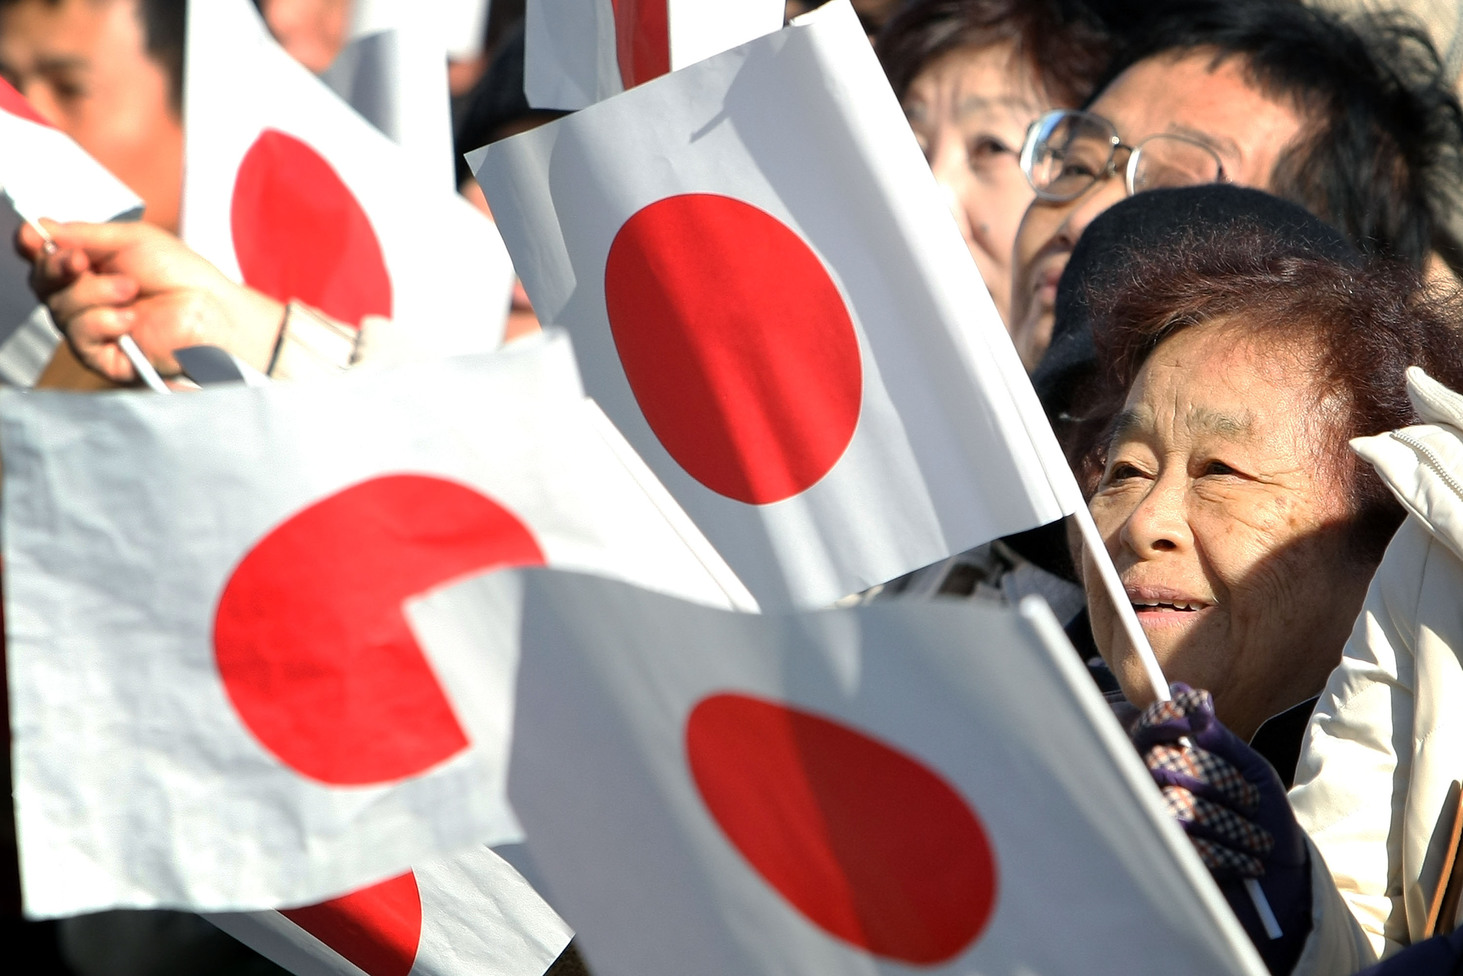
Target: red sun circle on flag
[310,639]
[377,929]
[868,843]
[642,39]
[736,343]
[299,232]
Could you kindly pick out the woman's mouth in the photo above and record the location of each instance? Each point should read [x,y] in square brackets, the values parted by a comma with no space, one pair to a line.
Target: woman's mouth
[1185,606]
[1159,606]
[1046,286]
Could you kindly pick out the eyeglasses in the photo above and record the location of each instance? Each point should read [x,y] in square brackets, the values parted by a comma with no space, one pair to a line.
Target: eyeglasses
[1067,152]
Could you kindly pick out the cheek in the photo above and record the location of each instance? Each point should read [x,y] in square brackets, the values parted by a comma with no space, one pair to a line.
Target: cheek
[1100,614]
[995,203]
[1282,567]
[1037,224]
[1109,512]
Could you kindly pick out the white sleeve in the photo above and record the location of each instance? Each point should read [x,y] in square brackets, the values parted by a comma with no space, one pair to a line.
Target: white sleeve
[1352,778]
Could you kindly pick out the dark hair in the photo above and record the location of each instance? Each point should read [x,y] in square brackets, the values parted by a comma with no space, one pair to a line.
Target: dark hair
[1354,328]
[164,27]
[1064,41]
[1382,154]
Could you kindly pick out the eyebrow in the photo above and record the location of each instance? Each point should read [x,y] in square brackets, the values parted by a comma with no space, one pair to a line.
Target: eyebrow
[970,105]
[62,62]
[1131,423]
[1223,145]
[1224,424]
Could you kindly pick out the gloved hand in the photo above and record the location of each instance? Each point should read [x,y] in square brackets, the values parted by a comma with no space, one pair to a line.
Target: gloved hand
[1232,805]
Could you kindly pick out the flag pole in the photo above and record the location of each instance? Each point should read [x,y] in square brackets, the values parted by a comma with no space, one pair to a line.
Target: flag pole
[1097,551]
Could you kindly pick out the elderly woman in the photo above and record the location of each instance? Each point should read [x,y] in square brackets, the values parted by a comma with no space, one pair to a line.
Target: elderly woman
[1244,530]
[1246,533]
[972,75]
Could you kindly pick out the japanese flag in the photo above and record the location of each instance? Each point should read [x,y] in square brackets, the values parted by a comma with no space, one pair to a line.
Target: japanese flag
[43,173]
[393,70]
[292,192]
[468,915]
[578,52]
[906,787]
[769,298]
[216,701]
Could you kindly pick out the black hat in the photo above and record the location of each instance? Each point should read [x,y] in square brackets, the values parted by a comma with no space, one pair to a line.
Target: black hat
[1151,220]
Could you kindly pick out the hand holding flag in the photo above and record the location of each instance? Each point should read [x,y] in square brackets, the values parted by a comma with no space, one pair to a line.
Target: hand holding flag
[106,281]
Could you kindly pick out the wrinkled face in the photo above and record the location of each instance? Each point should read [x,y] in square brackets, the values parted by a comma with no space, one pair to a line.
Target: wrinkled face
[969,109]
[1174,94]
[1228,534]
[83,64]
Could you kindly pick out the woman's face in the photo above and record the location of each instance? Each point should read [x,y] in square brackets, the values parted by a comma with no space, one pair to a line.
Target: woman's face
[1229,534]
[969,109]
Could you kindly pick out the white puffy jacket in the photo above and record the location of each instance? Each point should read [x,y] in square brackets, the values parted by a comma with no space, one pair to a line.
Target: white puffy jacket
[1386,740]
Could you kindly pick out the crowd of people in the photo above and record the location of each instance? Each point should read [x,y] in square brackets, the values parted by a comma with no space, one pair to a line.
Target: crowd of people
[1226,240]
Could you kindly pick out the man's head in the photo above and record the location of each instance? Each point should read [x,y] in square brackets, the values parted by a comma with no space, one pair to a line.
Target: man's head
[1350,119]
[109,73]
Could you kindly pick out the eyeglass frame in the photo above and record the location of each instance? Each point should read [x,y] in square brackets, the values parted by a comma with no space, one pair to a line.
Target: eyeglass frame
[1135,152]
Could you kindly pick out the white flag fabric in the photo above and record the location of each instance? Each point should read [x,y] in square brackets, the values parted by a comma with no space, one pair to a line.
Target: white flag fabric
[44,174]
[578,52]
[289,190]
[769,298]
[464,25]
[393,70]
[468,915]
[216,702]
[904,786]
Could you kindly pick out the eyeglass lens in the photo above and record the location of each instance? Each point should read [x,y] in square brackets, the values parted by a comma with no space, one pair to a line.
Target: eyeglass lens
[1074,150]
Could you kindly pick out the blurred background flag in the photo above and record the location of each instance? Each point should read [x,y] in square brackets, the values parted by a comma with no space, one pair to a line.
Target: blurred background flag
[227,569]
[43,174]
[769,298]
[393,71]
[464,25]
[582,51]
[289,190]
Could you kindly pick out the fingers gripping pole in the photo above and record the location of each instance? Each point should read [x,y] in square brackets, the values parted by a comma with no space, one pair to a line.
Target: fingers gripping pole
[127,344]
[139,362]
[1097,550]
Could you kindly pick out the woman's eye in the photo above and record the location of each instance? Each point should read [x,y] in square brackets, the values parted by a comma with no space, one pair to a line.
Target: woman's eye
[1218,468]
[1122,471]
[1077,168]
[988,147]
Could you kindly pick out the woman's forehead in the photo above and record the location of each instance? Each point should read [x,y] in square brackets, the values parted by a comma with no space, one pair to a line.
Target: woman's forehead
[1224,379]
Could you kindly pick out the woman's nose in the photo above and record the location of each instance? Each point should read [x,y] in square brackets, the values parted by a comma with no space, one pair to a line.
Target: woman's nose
[1086,208]
[1158,523]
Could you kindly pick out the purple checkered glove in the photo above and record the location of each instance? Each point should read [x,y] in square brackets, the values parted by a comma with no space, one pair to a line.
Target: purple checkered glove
[1232,805]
